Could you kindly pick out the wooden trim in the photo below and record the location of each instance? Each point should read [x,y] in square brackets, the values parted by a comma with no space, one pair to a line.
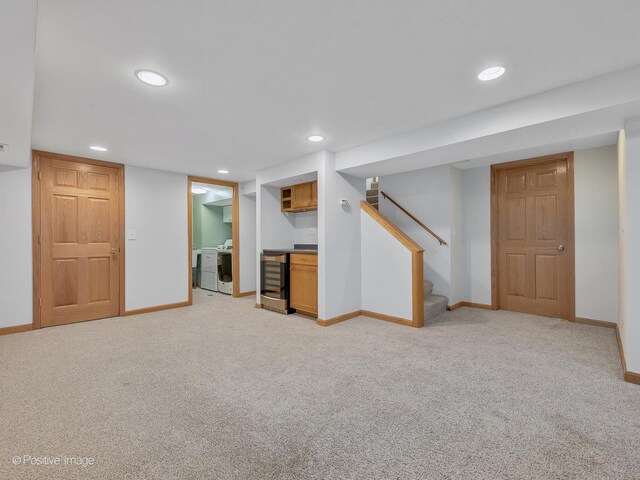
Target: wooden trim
[247,294]
[495,235]
[235,235]
[417,289]
[36,225]
[72,158]
[628,376]
[532,161]
[481,306]
[632,377]
[258,305]
[16,329]
[597,323]
[338,319]
[122,246]
[235,229]
[212,181]
[190,241]
[157,308]
[387,318]
[570,250]
[390,227]
[408,214]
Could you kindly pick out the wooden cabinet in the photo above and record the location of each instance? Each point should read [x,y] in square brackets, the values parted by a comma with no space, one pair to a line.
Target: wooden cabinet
[303,283]
[302,197]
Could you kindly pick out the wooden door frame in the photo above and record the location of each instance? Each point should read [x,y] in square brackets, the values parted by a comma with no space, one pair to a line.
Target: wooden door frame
[235,230]
[570,250]
[36,225]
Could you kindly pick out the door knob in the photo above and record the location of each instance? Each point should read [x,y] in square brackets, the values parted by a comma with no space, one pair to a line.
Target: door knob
[560,248]
[113,251]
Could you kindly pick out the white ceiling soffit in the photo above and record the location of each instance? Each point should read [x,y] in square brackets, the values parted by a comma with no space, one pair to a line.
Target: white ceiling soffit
[250,80]
[565,116]
[17,54]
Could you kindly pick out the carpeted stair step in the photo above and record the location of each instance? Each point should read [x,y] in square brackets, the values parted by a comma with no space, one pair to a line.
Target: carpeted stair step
[434,305]
[428,287]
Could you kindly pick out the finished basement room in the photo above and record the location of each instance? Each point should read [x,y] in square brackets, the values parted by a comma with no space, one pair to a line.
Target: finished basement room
[362,240]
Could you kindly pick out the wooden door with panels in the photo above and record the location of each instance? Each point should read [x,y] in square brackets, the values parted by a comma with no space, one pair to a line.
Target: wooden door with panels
[533,248]
[80,239]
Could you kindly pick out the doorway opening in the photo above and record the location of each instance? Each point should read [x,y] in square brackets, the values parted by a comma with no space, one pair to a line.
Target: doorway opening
[214,260]
[532,236]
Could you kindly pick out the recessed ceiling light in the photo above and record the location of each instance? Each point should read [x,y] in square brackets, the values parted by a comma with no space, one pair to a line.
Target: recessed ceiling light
[491,73]
[151,78]
[223,171]
[198,190]
[97,148]
[315,138]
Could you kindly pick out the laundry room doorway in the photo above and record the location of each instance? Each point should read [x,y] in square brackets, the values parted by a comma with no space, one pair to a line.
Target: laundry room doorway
[214,263]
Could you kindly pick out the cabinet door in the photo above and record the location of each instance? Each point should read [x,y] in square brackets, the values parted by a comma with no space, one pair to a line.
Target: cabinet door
[302,196]
[227,215]
[314,194]
[303,288]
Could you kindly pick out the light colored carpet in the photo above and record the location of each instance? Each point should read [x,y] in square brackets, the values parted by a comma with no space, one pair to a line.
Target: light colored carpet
[222,390]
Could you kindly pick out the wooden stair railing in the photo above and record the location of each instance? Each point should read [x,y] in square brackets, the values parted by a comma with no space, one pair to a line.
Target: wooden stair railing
[435,235]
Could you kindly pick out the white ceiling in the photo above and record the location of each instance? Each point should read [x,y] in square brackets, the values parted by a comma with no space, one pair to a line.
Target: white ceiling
[249,80]
[214,192]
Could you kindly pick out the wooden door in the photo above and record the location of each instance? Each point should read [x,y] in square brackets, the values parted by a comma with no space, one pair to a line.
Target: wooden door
[535,232]
[79,241]
[304,288]
[303,283]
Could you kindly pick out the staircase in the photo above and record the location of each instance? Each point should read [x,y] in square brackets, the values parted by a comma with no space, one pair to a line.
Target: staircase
[372,192]
[434,305]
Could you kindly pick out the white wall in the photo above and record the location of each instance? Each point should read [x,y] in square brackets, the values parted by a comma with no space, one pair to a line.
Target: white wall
[596,233]
[455,240]
[622,237]
[385,271]
[305,227]
[16,285]
[156,263]
[339,240]
[427,194]
[247,243]
[476,235]
[629,230]
[17,50]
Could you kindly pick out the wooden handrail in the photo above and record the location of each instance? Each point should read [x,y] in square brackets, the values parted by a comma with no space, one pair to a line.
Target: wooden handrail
[387,197]
[405,239]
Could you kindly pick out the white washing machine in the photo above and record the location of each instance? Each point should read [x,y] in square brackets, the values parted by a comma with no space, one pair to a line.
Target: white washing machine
[209,269]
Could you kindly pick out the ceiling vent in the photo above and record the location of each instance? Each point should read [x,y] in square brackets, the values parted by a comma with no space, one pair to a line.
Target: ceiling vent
[4,148]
